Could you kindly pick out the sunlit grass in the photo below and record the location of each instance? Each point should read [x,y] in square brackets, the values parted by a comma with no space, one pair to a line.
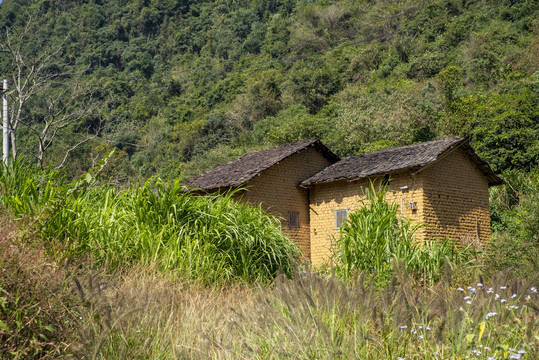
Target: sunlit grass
[374,235]
[174,276]
[211,238]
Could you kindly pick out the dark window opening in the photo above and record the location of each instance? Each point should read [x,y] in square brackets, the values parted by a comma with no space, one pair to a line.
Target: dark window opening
[293,219]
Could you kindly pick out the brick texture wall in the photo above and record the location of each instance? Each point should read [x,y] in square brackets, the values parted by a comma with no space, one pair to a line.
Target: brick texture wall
[456,200]
[329,197]
[276,189]
[451,199]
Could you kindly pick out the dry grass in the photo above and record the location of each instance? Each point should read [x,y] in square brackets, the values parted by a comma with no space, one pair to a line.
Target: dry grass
[144,314]
[36,318]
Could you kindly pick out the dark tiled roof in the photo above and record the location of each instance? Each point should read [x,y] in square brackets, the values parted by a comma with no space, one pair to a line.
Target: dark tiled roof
[239,171]
[397,159]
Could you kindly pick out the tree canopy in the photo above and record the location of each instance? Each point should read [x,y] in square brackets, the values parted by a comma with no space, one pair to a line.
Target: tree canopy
[183,86]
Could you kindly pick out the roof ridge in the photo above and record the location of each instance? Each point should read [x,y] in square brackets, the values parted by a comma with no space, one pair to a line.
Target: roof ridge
[456,138]
[384,161]
[246,167]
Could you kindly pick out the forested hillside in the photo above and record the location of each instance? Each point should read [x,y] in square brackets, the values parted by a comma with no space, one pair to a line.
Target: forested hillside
[180,86]
[99,248]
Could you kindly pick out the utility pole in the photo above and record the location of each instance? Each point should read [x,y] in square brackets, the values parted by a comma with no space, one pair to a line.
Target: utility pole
[5,116]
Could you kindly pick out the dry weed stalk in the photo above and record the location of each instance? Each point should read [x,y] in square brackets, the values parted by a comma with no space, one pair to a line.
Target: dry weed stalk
[153,315]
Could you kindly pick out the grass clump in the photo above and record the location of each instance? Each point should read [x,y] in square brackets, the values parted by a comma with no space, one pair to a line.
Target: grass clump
[309,317]
[374,236]
[210,238]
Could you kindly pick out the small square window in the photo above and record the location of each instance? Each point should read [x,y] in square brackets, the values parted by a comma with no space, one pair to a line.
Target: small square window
[340,216]
[293,219]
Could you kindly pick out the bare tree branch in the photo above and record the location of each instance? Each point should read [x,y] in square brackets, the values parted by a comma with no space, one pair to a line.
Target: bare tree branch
[83,141]
[64,100]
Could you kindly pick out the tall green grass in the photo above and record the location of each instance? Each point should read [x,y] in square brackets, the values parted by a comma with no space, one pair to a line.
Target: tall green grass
[26,190]
[211,238]
[374,236]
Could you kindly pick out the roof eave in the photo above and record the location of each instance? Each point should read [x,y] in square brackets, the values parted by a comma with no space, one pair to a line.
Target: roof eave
[359,178]
[483,166]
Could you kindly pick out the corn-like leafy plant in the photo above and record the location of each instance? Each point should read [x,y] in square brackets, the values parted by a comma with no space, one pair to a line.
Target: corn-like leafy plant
[26,190]
[374,235]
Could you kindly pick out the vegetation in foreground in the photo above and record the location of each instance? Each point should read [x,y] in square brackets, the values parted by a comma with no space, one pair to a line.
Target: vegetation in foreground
[180,87]
[313,316]
[117,299]
[210,238]
[375,235]
[144,313]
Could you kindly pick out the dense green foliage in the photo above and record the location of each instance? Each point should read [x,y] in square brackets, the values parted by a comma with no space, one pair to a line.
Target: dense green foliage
[210,238]
[515,222]
[180,82]
[373,237]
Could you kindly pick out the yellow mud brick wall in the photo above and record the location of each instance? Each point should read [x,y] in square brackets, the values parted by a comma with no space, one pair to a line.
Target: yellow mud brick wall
[329,197]
[277,190]
[456,200]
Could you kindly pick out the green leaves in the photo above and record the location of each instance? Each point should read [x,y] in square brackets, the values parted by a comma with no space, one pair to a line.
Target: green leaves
[210,238]
[166,66]
[374,236]
[450,80]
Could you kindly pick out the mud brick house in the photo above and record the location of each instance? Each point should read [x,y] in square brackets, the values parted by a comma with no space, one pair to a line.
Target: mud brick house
[271,177]
[442,184]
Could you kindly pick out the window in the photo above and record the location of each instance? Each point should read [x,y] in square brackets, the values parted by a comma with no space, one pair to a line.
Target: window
[293,219]
[340,216]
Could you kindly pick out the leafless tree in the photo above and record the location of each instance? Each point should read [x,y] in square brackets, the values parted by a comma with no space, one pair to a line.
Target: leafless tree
[64,101]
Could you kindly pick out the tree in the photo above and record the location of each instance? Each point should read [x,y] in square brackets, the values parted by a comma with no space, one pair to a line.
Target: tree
[44,97]
[61,109]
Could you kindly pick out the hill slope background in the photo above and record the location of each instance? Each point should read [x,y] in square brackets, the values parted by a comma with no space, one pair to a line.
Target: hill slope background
[179,87]
[182,86]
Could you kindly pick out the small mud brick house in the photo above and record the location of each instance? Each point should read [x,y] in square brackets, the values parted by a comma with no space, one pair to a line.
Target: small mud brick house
[442,184]
[271,177]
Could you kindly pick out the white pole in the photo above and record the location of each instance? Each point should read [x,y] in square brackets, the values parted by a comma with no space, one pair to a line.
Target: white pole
[6,124]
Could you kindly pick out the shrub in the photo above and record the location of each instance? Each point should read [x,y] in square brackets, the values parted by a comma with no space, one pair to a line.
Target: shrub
[37,317]
[514,209]
[514,205]
[512,253]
